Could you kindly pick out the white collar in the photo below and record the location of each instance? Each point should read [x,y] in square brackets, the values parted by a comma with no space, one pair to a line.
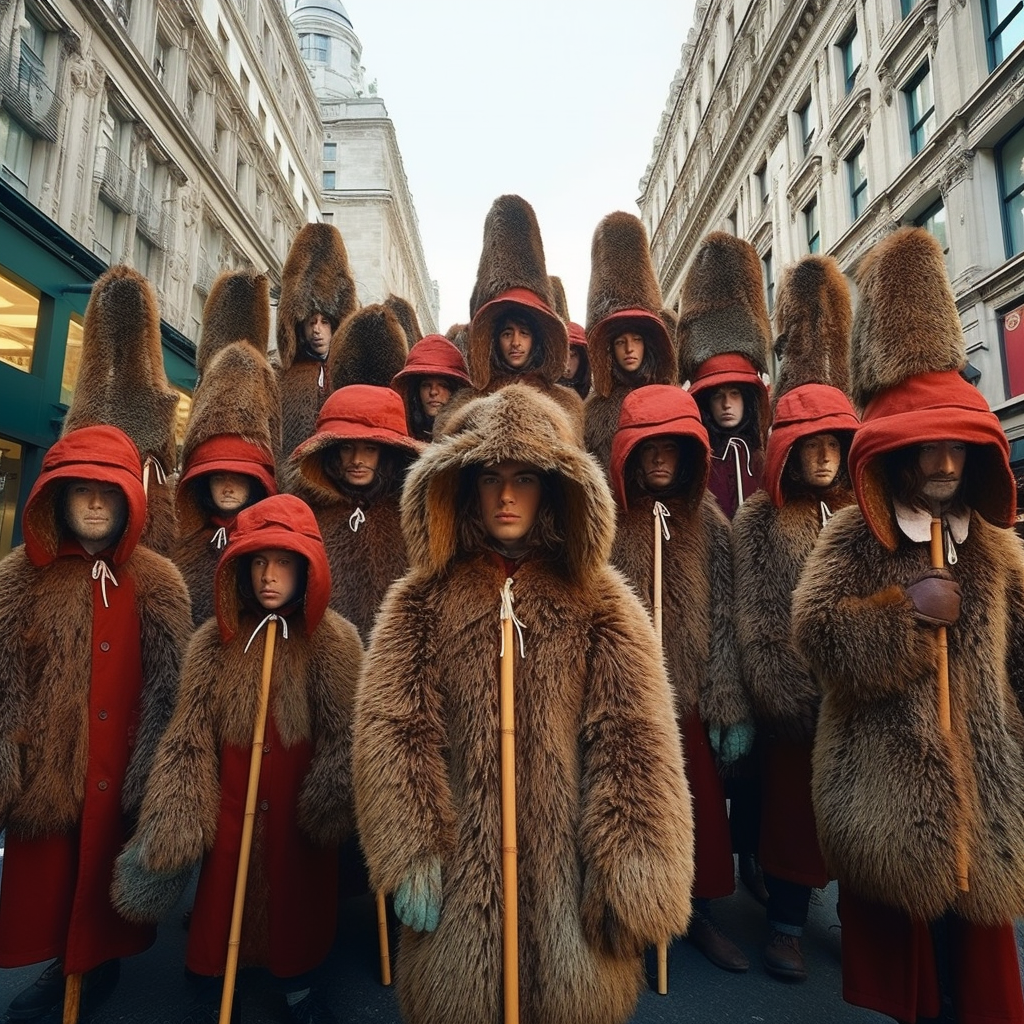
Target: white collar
[916,523]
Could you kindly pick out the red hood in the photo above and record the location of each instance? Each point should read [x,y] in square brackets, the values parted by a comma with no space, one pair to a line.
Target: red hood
[656,337]
[803,411]
[282,521]
[577,335]
[733,368]
[91,453]
[432,356]
[655,411]
[935,406]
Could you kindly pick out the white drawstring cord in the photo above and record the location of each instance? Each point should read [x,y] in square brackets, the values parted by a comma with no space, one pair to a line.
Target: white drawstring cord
[320,380]
[733,445]
[102,572]
[951,558]
[663,514]
[220,538]
[356,520]
[507,612]
[826,514]
[272,615]
[158,471]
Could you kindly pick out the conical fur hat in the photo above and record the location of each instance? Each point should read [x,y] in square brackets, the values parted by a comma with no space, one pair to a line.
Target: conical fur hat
[237,309]
[458,335]
[558,300]
[624,295]
[723,308]
[406,317]
[316,277]
[369,348]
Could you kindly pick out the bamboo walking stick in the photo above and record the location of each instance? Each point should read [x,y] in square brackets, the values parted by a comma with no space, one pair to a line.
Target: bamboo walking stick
[235,934]
[382,940]
[72,998]
[509,853]
[660,512]
[938,560]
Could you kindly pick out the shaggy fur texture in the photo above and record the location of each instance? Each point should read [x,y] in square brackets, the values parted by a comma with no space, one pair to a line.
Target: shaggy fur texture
[601,420]
[907,322]
[770,546]
[891,793]
[302,398]
[196,559]
[699,641]
[406,315]
[369,348]
[316,276]
[559,302]
[237,309]
[621,272]
[121,382]
[723,306]
[813,315]
[605,841]
[458,335]
[46,650]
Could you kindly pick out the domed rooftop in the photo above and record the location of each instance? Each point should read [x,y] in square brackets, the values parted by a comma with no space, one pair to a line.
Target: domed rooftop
[327,7]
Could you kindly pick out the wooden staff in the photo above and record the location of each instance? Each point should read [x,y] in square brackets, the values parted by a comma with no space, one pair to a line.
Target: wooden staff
[234,936]
[942,671]
[72,998]
[509,853]
[382,940]
[662,947]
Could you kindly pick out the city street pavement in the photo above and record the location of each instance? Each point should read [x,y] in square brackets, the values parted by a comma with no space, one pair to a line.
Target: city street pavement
[152,988]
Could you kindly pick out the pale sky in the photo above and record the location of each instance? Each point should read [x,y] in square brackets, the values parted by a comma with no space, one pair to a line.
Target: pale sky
[557,101]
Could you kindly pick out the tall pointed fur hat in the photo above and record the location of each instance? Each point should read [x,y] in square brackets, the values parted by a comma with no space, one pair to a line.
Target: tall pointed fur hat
[624,296]
[368,348]
[512,276]
[813,315]
[406,317]
[723,309]
[237,309]
[558,300]
[907,354]
[458,335]
[316,277]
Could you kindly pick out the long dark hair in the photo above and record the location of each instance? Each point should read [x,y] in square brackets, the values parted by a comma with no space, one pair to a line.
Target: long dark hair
[644,374]
[388,477]
[906,480]
[536,360]
[421,425]
[689,448]
[749,427]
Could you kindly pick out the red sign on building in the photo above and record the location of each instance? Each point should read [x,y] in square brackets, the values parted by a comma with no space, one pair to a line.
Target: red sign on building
[1013,347]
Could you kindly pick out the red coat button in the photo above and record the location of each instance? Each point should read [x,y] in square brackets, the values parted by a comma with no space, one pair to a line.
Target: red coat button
[102,785]
[104,646]
[102,716]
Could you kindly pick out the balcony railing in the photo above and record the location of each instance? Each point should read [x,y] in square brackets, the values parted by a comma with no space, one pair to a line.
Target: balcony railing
[205,275]
[25,92]
[118,184]
[151,220]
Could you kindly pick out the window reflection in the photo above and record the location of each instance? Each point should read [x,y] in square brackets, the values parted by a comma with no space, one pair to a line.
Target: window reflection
[19,313]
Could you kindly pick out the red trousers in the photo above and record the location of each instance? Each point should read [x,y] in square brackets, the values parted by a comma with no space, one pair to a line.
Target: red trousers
[889,965]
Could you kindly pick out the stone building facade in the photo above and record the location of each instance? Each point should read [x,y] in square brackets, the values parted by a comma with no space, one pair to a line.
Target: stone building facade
[820,126]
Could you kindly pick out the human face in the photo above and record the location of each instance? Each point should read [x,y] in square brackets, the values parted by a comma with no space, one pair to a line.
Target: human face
[510,496]
[357,461]
[434,394]
[516,342]
[275,577]
[942,464]
[727,407]
[229,491]
[96,513]
[628,348]
[820,456]
[316,330]
[659,460]
[572,364]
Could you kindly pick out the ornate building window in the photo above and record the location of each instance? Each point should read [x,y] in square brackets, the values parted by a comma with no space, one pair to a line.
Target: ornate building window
[761,178]
[933,220]
[920,108]
[906,6]
[1004,28]
[849,53]
[1009,155]
[812,227]
[15,153]
[806,122]
[315,47]
[857,177]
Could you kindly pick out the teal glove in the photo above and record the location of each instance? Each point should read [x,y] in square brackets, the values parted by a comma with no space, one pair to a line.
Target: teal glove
[418,898]
[731,742]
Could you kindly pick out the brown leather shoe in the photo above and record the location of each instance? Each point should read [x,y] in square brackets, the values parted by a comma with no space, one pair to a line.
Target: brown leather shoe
[717,947]
[782,957]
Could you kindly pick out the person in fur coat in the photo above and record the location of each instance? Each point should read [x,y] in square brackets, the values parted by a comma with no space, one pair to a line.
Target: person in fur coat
[576,374]
[923,826]
[515,335]
[628,338]
[92,629]
[317,294]
[350,472]
[772,534]
[605,843]
[275,565]
[659,457]
[233,431]
[433,372]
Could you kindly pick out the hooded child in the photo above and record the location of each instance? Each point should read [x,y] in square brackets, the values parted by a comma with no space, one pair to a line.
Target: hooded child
[508,504]
[773,533]
[628,339]
[233,432]
[433,372]
[659,468]
[274,567]
[92,629]
[923,824]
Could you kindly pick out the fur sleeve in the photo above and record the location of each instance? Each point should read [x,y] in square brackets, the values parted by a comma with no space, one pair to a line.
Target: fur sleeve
[723,700]
[844,616]
[325,810]
[1014,562]
[636,827]
[165,616]
[14,613]
[179,811]
[600,421]
[780,687]
[403,796]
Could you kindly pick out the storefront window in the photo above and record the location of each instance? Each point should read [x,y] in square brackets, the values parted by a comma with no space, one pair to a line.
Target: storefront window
[181,416]
[19,313]
[72,358]
[10,477]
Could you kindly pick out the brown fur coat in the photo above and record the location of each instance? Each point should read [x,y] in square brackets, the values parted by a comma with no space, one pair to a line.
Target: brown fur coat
[891,793]
[601,420]
[605,842]
[302,397]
